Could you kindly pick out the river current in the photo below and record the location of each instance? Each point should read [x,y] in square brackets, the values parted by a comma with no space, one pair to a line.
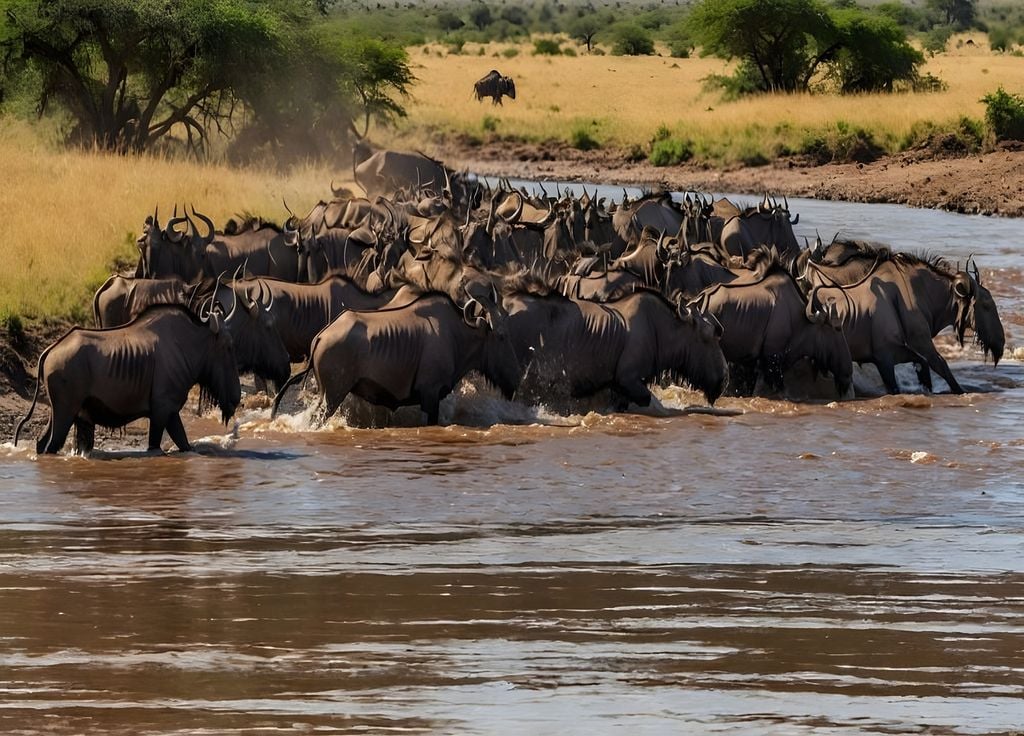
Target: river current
[794,568]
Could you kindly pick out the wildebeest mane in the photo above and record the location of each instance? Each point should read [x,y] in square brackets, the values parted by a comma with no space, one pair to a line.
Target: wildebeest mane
[527,280]
[926,258]
[247,221]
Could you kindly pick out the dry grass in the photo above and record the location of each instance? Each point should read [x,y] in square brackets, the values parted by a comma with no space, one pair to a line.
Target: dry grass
[70,215]
[624,100]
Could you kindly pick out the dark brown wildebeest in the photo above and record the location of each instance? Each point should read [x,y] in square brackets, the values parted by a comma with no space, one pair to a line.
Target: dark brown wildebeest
[144,369]
[894,311]
[768,327]
[494,85]
[580,347]
[121,299]
[408,355]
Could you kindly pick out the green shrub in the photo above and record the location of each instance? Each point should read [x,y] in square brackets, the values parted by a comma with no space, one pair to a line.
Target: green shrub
[546,47]
[842,144]
[1004,113]
[489,123]
[510,53]
[935,41]
[581,138]
[568,51]
[632,40]
[670,152]
[14,328]
[1000,38]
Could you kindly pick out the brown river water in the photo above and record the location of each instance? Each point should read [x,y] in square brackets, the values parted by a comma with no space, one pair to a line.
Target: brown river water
[850,568]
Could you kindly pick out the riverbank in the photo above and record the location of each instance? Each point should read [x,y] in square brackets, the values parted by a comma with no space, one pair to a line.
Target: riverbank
[990,183]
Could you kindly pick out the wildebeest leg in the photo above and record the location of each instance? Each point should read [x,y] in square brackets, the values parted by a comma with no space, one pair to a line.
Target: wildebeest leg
[259,384]
[59,428]
[940,366]
[44,438]
[636,392]
[430,402]
[156,431]
[924,375]
[887,370]
[176,431]
[85,436]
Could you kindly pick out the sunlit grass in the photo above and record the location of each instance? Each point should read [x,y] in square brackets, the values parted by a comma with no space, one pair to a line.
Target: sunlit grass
[69,215]
[624,100]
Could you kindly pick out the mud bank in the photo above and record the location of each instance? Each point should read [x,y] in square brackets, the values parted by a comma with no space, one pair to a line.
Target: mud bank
[991,183]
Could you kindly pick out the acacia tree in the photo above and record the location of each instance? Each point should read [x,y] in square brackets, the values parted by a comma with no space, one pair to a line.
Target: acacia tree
[129,72]
[783,44]
[784,40]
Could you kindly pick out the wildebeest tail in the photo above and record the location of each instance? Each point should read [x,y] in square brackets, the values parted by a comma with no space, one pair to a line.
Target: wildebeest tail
[35,395]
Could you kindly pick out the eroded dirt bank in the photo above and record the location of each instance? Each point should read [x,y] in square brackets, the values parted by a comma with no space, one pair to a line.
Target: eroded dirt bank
[990,183]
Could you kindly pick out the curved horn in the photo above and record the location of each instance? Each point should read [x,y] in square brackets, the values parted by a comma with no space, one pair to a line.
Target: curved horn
[234,299]
[795,220]
[814,315]
[209,237]
[287,207]
[173,235]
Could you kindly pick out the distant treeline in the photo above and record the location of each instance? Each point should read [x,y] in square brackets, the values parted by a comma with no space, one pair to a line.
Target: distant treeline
[597,22]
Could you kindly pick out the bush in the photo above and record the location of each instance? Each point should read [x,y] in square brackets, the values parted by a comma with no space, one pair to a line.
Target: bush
[632,40]
[568,51]
[489,123]
[1000,38]
[670,152]
[842,144]
[13,327]
[1004,113]
[546,47]
[510,52]
[935,41]
[963,137]
[582,139]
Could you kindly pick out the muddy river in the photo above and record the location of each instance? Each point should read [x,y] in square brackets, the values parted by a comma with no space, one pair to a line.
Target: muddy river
[851,568]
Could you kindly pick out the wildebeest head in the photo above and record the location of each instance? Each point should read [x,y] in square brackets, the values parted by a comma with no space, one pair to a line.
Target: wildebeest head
[830,352]
[218,379]
[249,319]
[168,251]
[498,363]
[698,358]
[975,309]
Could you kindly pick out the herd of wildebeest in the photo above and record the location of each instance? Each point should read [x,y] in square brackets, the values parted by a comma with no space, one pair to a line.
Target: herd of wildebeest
[397,295]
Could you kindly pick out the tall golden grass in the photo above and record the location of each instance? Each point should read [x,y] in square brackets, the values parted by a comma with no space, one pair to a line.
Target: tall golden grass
[70,215]
[623,101]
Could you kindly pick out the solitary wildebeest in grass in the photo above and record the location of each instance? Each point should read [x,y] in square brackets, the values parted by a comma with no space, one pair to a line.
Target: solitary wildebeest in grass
[495,86]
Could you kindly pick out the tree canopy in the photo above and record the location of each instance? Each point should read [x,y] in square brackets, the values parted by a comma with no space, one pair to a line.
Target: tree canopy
[131,72]
[784,44]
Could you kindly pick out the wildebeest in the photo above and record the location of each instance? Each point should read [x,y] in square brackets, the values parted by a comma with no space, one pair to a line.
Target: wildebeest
[300,311]
[580,347]
[892,314]
[768,326]
[495,86]
[165,252]
[768,223]
[143,369]
[121,299]
[385,172]
[408,355]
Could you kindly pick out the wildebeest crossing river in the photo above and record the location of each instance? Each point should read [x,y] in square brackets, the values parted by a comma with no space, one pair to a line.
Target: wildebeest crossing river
[801,568]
